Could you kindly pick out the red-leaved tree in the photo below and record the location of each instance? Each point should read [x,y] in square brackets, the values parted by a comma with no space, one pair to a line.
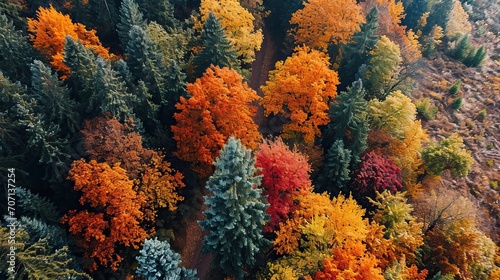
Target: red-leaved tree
[377,173]
[286,176]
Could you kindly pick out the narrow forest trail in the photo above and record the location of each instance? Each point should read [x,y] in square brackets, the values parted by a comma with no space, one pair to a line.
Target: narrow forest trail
[192,237]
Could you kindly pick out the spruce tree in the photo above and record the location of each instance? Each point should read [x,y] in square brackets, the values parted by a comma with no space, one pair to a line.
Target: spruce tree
[146,63]
[358,52]
[236,211]
[160,11]
[36,206]
[217,49]
[348,122]
[335,172]
[53,98]
[110,94]
[439,15]
[81,62]
[15,52]
[158,261]
[414,10]
[129,16]
[176,86]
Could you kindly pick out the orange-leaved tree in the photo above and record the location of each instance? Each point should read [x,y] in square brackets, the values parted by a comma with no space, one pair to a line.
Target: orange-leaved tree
[48,33]
[300,88]
[219,106]
[285,177]
[113,217]
[108,140]
[322,22]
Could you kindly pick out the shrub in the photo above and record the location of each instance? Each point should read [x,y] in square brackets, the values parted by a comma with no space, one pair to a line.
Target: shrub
[455,87]
[426,109]
[457,103]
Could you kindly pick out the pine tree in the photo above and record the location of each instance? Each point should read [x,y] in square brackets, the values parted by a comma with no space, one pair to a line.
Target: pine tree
[81,62]
[146,64]
[414,10]
[53,98]
[158,261]
[15,52]
[36,206]
[348,122]
[110,93]
[176,87]
[217,50]
[160,11]
[462,48]
[358,51]
[236,211]
[439,15]
[335,172]
[130,15]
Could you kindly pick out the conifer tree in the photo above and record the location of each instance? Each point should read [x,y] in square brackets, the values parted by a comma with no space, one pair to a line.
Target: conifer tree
[158,261]
[236,211]
[15,52]
[176,87]
[81,62]
[414,10]
[335,172]
[53,98]
[439,15]
[358,51]
[348,122]
[146,63]
[129,15]
[110,94]
[36,206]
[217,50]
[160,11]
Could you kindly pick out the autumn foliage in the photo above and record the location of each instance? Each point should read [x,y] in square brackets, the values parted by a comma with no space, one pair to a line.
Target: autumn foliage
[48,34]
[219,107]
[108,140]
[285,177]
[114,216]
[300,88]
[322,22]
[377,173]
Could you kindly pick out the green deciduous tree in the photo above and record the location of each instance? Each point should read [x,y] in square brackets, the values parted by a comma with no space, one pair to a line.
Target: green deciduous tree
[216,48]
[448,154]
[236,211]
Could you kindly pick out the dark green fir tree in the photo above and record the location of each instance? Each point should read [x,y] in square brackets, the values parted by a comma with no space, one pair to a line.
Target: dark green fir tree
[110,94]
[129,15]
[236,211]
[53,99]
[358,51]
[439,15]
[217,49]
[81,62]
[335,172]
[15,52]
[160,11]
[348,122]
[414,10]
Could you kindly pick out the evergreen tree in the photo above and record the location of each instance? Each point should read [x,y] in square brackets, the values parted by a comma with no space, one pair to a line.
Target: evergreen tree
[176,87]
[236,211]
[335,172]
[15,52]
[81,62]
[414,10]
[158,261]
[37,229]
[160,11]
[110,93]
[358,51]
[462,48]
[53,98]
[217,50]
[439,15]
[146,64]
[36,206]
[129,15]
[348,122]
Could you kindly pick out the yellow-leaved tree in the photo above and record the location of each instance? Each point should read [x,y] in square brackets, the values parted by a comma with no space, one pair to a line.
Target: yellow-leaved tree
[300,89]
[238,26]
[322,22]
